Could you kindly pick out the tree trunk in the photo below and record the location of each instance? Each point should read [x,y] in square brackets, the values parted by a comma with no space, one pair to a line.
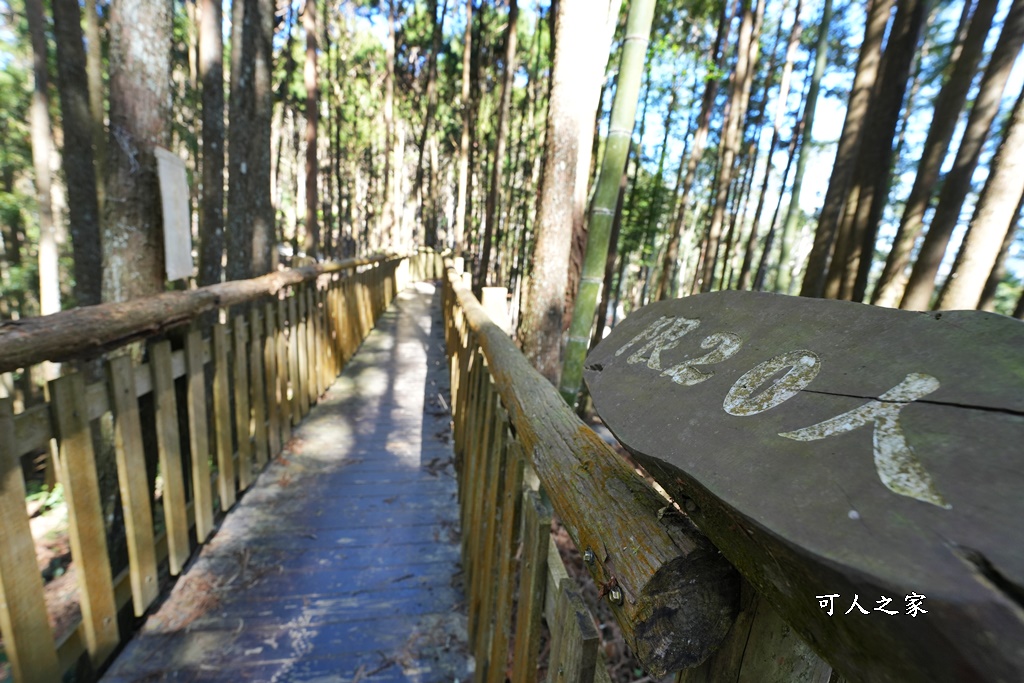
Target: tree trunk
[42,144]
[501,133]
[388,222]
[140,120]
[780,112]
[467,113]
[250,212]
[868,191]
[94,72]
[746,58]
[783,281]
[958,181]
[312,123]
[428,212]
[589,100]
[78,161]
[602,212]
[667,283]
[948,106]
[995,211]
[541,323]
[211,73]
[998,273]
[849,142]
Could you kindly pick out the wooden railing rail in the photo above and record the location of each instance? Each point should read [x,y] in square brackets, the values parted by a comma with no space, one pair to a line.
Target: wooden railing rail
[672,594]
[270,361]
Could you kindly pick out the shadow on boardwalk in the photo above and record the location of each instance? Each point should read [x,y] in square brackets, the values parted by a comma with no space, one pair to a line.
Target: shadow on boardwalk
[342,562]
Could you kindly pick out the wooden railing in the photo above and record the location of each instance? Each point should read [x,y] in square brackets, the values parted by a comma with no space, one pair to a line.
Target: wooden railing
[285,339]
[520,449]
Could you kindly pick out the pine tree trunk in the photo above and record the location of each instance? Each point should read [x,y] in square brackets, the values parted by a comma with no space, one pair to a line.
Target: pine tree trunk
[948,106]
[388,222]
[77,158]
[140,119]
[998,274]
[746,59]
[667,283]
[467,114]
[868,191]
[996,210]
[312,124]
[957,183]
[501,133]
[211,73]
[428,212]
[849,142]
[42,144]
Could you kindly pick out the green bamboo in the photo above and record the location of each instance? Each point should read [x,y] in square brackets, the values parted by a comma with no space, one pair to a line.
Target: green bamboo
[602,208]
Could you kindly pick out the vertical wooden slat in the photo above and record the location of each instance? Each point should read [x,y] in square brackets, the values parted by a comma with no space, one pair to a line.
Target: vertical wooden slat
[475,418]
[282,372]
[274,399]
[28,640]
[302,342]
[243,413]
[199,436]
[312,329]
[574,639]
[294,343]
[130,454]
[534,565]
[169,447]
[490,523]
[257,390]
[511,500]
[85,516]
[222,418]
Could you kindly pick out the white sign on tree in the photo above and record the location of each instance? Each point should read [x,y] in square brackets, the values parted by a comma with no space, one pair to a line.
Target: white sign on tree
[177,226]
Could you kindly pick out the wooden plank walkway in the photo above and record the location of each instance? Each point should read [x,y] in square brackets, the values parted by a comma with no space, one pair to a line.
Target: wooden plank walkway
[341,564]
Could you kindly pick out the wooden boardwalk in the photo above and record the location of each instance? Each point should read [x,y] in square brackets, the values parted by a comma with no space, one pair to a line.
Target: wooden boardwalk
[341,564]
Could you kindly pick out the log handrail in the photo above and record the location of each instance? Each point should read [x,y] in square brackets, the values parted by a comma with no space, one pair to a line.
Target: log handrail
[677,597]
[90,330]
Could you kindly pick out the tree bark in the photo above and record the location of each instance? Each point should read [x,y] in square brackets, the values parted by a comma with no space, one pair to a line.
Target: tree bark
[250,212]
[309,23]
[998,273]
[957,183]
[849,142]
[42,144]
[211,73]
[428,211]
[743,73]
[388,222]
[140,120]
[467,114]
[78,160]
[868,191]
[667,283]
[995,213]
[948,106]
[501,133]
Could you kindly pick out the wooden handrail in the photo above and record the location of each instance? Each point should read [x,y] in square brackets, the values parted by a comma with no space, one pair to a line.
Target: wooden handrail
[90,330]
[678,596]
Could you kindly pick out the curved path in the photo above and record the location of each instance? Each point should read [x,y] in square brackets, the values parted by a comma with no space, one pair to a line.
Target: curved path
[341,563]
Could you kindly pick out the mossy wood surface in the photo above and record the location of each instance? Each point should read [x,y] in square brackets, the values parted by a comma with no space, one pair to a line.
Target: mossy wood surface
[917,489]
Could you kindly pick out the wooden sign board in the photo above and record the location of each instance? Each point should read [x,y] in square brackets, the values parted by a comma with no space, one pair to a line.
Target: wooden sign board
[862,467]
[177,221]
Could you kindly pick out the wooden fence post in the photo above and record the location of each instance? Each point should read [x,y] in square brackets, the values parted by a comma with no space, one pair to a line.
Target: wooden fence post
[532,582]
[199,435]
[28,640]
[169,446]
[222,418]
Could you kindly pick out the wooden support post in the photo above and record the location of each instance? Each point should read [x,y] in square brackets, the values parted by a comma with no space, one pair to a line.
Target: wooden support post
[28,640]
[199,436]
[273,388]
[243,412]
[222,418]
[169,445]
[257,387]
[312,344]
[574,638]
[532,578]
[509,525]
[295,344]
[302,325]
[130,454]
[284,403]
[85,516]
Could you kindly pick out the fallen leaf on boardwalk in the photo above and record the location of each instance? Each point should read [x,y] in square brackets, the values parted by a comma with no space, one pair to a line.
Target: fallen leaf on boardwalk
[391,500]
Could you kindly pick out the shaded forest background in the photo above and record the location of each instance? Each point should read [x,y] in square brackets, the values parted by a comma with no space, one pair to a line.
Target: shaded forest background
[867,150]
